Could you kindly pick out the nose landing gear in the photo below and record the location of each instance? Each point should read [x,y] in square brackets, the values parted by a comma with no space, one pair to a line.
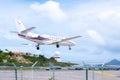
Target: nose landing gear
[69,47]
[57,45]
[37,47]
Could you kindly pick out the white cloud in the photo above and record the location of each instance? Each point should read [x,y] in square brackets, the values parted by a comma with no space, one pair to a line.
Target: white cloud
[92,16]
[50,9]
[106,14]
[96,36]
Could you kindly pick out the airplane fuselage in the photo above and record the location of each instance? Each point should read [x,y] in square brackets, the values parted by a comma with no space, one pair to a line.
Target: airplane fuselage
[47,40]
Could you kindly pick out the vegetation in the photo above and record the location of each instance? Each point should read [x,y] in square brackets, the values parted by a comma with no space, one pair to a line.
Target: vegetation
[7,58]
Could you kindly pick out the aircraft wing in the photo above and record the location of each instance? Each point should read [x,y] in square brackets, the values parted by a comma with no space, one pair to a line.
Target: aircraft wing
[65,39]
[70,38]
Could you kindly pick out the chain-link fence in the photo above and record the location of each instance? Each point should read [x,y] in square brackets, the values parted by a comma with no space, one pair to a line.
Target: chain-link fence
[38,74]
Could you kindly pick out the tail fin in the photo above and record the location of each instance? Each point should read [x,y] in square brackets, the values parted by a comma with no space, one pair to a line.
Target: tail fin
[21,28]
[19,25]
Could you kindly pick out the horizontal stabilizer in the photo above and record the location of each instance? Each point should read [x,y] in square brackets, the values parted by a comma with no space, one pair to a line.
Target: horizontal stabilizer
[29,44]
[14,32]
[27,30]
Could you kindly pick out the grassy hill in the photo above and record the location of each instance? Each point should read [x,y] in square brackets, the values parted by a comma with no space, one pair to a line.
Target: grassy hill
[7,58]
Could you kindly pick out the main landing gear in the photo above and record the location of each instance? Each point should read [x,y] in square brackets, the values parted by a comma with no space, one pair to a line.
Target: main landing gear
[37,47]
[57,45]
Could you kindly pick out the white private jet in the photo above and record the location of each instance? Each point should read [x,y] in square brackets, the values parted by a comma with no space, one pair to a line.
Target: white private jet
[42,39]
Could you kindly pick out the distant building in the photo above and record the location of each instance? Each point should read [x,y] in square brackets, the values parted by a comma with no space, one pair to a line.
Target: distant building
[16,52]
[57,56]
[21,53]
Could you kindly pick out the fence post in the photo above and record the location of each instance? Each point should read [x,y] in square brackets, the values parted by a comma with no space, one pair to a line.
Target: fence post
[21,73]
[53,74]
[52,67]
[93,74]
[86,73]
[33,68]
[15,68]
[15,73]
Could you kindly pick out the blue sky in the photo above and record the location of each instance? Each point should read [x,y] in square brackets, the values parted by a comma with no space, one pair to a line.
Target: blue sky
[97,21]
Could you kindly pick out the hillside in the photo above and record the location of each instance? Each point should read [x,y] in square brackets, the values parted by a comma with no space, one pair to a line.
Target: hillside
[7,58]
[113,62]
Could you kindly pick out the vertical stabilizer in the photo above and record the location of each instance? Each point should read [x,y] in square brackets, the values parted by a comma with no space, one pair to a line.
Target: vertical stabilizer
[19,25]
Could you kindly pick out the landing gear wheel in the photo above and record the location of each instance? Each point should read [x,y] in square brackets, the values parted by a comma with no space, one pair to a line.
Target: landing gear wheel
[38,48]
[57,46]
[69,48]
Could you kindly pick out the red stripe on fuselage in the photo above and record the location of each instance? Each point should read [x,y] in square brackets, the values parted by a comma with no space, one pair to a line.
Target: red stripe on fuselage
[21,35]
[38,38]
[34,38]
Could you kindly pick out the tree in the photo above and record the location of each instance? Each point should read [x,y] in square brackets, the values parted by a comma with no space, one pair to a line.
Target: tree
[52,59]
[1,51]
[10,53]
